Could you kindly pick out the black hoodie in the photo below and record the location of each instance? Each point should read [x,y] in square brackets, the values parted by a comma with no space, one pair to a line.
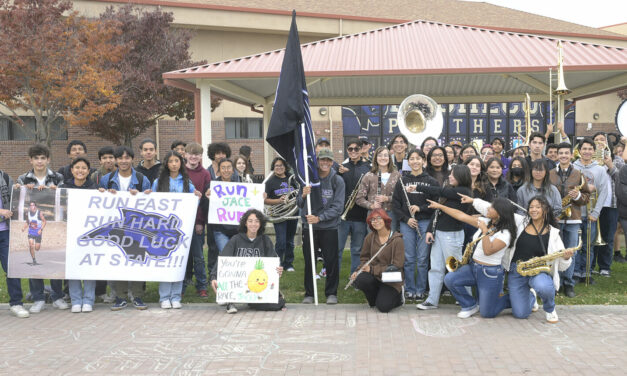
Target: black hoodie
[399,202]
[241,246]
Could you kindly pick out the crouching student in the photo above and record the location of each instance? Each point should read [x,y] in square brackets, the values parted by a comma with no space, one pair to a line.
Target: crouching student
[391,256]
[173,178]
[250,241]
[82,293]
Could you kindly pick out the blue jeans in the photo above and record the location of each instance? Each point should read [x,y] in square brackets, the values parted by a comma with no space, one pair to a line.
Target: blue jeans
[489,282]
[14,285]
[570,239]
[416,255]
[170,291]
[521,297]
[196,251]
[358,231]
[82,294]
[447,243]
[604,253]
[221,240]
[284,247]
[581,259]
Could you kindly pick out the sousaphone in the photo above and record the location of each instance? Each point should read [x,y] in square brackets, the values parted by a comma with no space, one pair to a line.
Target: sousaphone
[419,117]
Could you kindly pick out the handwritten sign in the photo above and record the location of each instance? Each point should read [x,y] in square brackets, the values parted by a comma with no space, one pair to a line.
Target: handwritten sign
[248,280]
[229,201]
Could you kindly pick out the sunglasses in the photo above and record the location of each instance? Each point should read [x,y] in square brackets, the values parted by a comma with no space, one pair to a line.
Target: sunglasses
[353,149]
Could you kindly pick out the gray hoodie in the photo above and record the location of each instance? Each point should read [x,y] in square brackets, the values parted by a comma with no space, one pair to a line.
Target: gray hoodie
[598,176]
[332,187]
[241,246]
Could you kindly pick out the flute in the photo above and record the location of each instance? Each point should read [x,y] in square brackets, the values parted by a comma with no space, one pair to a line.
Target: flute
[350,282]
[408,205]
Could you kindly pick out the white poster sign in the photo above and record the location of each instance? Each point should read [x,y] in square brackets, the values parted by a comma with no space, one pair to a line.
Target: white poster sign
[229,201]
[248,280]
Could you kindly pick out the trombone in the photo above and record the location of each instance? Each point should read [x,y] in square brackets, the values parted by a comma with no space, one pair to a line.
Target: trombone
[559,92]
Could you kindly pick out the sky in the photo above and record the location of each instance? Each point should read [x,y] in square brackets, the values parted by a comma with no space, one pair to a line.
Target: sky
[593,13]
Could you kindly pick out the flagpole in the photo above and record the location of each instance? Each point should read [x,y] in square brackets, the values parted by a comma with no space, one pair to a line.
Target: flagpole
[311,242]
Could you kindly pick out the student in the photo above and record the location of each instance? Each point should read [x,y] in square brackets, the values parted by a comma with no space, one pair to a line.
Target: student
[41,177]
[325,223]
[241,167]
[216,152]
[323,143]
[107,164]
[536,147]
[178,146]
[498,147]
[173,178]
[495,183]
[540,184]
[149,165]
[250,241]
[551,152]
[438,164]
[222,233]
[201,178]
[14,285]
[75,149]
[246,151]
[428,144]
[125,178]
[82,295]
[398,152]
[365,148]
[466,152]
[518,173]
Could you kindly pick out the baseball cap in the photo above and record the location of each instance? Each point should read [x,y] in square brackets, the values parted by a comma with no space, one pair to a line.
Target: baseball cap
[455,143]
[325,153]
[321,140]
[364,140]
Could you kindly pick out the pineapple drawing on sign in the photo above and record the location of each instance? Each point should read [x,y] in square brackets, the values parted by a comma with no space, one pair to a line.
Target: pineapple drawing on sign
[258,279]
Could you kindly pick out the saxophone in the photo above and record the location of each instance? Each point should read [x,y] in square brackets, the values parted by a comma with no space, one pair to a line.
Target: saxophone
[540,264]
[452,264]
[567,210]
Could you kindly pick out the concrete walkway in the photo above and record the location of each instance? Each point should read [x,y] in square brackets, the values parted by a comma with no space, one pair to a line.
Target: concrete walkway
[201,339]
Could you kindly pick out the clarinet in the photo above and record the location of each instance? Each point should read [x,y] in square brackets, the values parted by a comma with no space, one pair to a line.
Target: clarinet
[408,205]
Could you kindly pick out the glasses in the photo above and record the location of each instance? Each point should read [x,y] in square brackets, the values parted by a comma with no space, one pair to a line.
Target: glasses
[437,155]
[376,219]
[353,149]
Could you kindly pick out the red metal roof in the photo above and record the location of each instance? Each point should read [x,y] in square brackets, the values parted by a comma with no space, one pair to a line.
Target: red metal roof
[421,47]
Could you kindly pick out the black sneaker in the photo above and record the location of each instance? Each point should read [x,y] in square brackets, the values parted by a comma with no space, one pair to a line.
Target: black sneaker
[583,280]
[569,291]
[420,296]
[119,304]
[426,305]
[619,258]
[139,304]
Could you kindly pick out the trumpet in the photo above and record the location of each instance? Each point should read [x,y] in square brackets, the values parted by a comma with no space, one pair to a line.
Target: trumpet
[351,199]
[452,264]
[540,264]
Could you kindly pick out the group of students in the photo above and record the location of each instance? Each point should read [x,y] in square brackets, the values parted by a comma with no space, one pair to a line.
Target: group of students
[404,209]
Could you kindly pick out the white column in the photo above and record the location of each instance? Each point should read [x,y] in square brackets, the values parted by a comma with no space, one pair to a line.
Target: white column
[268,152]
[205,118]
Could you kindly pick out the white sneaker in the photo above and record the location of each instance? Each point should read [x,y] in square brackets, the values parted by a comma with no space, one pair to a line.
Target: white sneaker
[37,306]
[467,313]
[552,317]
[76,308]
[535,301]
[176,304]
[60,304]
[230,308]
[87,308]
[166,304]
[19,311]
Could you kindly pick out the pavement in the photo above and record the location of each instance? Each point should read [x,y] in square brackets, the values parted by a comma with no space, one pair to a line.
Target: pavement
[201,339]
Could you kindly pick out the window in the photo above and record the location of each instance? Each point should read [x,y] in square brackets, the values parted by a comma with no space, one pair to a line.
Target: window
[246,128]
[12,131]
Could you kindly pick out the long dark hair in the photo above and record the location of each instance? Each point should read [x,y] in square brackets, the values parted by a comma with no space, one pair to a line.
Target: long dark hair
[461,151]
[506,220]
[461,173]
[523,164]
[164,174]
[242,229]
[540,165]
[430,169]
[549,217]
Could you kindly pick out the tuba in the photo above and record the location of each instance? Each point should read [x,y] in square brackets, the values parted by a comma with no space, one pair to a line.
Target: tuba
[419,117]
[284,211]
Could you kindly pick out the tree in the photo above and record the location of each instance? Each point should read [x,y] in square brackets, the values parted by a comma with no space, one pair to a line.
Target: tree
[155,47]
[55,64]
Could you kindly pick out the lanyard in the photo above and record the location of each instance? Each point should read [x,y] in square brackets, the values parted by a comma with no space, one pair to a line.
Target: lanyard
[539,234]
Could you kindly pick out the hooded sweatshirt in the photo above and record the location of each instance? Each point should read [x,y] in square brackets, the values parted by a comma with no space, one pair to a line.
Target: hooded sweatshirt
[151,173]
[332,187]
[202,180]
[598,176]
[419,198]
[241,246]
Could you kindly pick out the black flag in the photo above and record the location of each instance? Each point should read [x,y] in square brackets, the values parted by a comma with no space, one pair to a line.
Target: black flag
[291,110]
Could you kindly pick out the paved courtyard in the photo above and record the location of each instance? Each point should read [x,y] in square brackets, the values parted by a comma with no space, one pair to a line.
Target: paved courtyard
[201,339]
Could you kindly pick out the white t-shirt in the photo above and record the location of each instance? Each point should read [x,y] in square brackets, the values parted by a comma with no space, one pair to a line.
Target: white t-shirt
[495,258]
[41,182]
[124,182]
[384,178]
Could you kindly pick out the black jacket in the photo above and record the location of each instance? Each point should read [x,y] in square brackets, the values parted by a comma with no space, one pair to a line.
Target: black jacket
[89,184]
[501,189]
[399,202]
[351,177]
[453,200]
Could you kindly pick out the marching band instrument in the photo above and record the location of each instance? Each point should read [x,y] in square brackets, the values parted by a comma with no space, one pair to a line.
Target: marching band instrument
[452,264]
[527,109]
[598,240]
[567,210]
[408,205]
[284,211]
[351,199]
[419,117]
[350,282]
[540,264]
[560,90]
[621,118]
